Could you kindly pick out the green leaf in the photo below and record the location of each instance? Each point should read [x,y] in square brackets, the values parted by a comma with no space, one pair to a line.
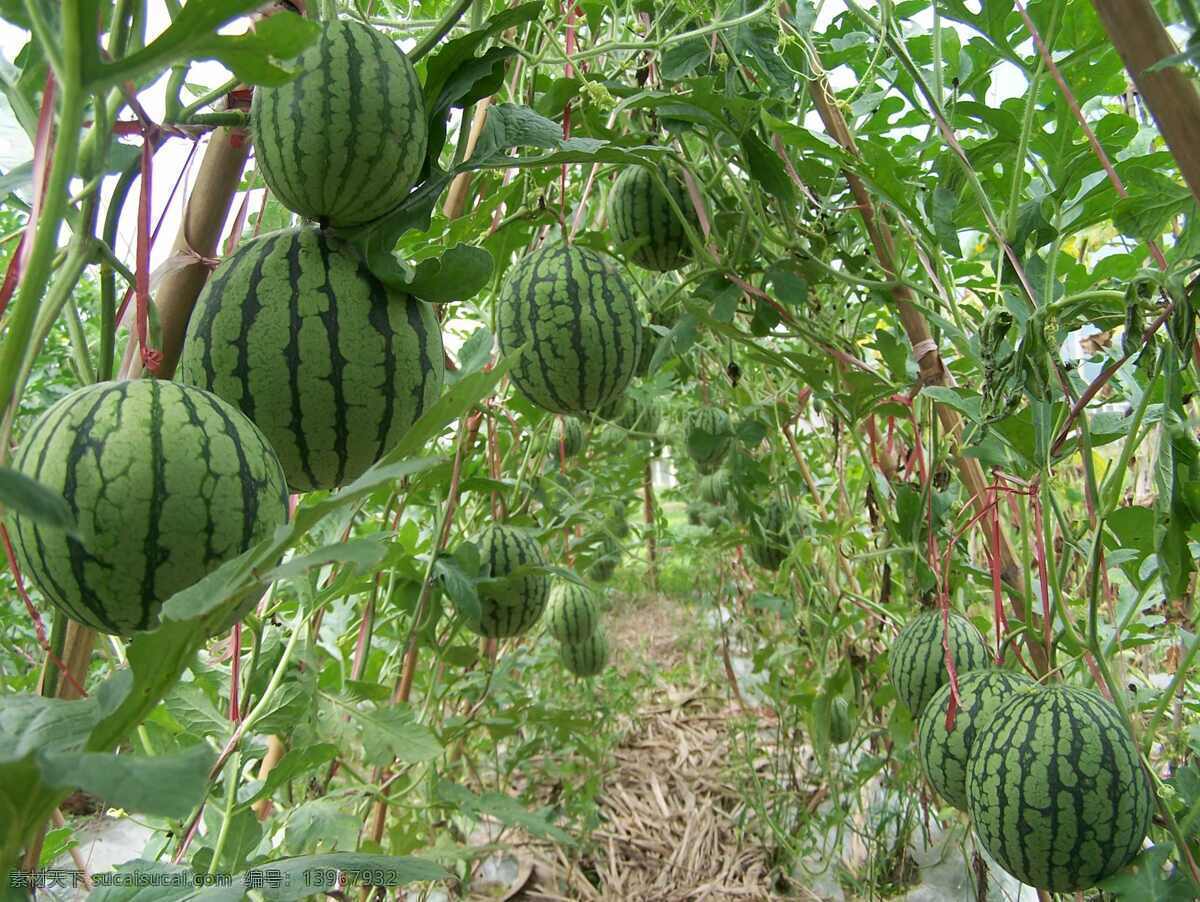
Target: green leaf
[1148,879]
[364,552]
[292,879]
[1154,200]
[475,352]
[767,169]
[164,785]
[295,763]
[31,499]
[389,733]
[458,585]
[159,881]
[458,275]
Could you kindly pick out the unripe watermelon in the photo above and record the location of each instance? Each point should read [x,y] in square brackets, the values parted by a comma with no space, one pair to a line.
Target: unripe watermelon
[707,437]
[513,609]
[944,754]
[568,433]
[772,534]
[639,210]
[715,516]
[604,564]
[916,661]
[695,513]
[166,483]
[641,415]
[1056,789]
[331,365]
[571,615]
[588,657]
[344,141]
[714,488]
[650,340]
[578,316]
[841,729]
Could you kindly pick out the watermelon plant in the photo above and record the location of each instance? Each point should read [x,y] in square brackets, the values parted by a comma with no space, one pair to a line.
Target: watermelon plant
[307,309]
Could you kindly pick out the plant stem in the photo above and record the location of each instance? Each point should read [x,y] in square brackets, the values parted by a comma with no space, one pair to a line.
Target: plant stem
[448,20]
[54,201]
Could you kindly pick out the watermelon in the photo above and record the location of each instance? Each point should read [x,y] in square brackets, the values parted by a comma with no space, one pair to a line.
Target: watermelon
[841,728]
[582,327]
[587,657]
[773,533]
[641,415]
[916,660]
[331,365]
[604,564]
[166,482]
[714,515]
[568,437]
[944,754]
[1056,789]
[639,211]
[695,513]
[707,437]
[344,141]
[650,339]
[571,615]
[512,608]
[618,523]
[714,488]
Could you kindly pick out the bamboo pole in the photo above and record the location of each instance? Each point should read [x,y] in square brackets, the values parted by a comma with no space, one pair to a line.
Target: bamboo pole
[1141,40]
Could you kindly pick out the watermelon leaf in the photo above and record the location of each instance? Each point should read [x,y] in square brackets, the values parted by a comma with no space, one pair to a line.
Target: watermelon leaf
[1147,880]
[31,499]
[458,275]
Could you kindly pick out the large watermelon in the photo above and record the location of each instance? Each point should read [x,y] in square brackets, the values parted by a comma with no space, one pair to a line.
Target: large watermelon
[772,534]
[587,657]
[571,615]
[944,754]
[344,141]
[916,661]
[639,210]
[166,482]
[1056,789]
[329,363]
[707,437]
[579,319]
[515,606]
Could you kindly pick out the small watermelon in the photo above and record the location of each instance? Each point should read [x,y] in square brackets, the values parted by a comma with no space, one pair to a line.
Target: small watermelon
[568,435]
[639,211]
[331,365]
[773,533]
[714,488]
[166,482]
[604,564]
[916,661]
[1056,789]
[571,615]
[841,728]
[514,607]
[344,141]
[640,415]
[707,437]
[587,657]
[578,317]
[944,754]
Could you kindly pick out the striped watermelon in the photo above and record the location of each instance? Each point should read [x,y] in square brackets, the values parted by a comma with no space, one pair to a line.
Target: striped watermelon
[772,535]
[714,488]
[587,657]
[714,516]
[344,141]
[604,564]
[641,415]
[639,210]
[841,727]
[578,316]
[166,483]
[944,754]
[513,607]
[571,614]
[332,366]
[1056,789]
[568,437]
[916,661]
[707,437]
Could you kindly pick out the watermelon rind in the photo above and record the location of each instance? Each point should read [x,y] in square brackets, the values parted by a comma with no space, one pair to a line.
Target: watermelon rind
[916,661]
[571,615]
[640,215]
[516,605]
[587,657]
